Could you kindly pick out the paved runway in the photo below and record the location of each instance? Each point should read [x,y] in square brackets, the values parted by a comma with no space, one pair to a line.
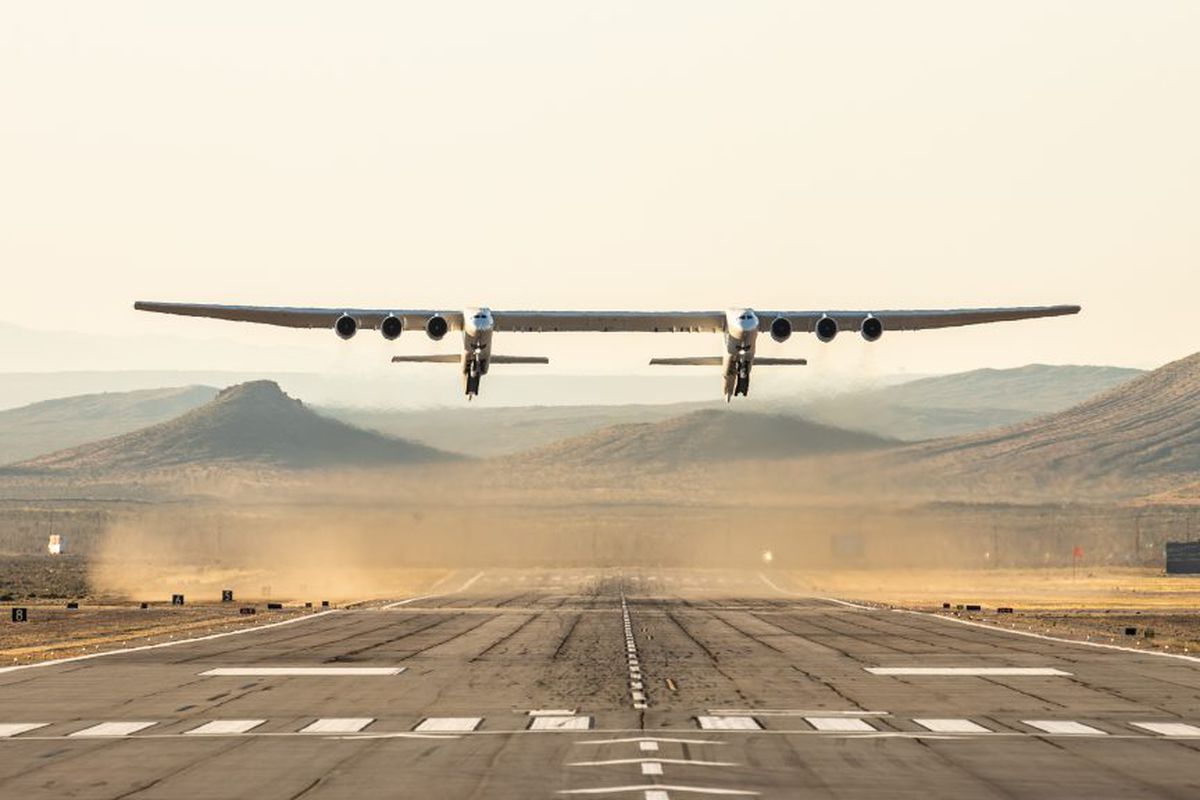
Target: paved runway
[600,683]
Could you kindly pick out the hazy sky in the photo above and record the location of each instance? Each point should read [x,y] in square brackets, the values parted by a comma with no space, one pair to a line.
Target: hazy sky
[609,155]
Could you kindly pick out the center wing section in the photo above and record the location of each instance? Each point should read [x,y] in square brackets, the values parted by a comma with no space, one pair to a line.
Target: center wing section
[368,318]
[610,321]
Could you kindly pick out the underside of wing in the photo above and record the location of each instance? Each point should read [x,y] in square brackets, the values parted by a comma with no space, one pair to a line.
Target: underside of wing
[913,319]
[367,318]
[610,321]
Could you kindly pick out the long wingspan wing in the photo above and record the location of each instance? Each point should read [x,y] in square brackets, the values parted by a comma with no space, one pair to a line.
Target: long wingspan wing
[913,320]
[367,318]
[608,321]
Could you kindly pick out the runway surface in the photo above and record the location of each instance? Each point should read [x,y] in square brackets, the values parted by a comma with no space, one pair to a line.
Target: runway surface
[606,683]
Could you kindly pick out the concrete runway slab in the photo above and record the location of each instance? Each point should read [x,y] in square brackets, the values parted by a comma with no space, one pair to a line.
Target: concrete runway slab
[747,692]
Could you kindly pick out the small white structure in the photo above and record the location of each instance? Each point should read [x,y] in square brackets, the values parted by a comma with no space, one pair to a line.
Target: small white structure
[55,545]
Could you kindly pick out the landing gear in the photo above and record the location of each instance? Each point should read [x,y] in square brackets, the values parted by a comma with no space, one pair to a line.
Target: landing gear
[472,375]
[741,386]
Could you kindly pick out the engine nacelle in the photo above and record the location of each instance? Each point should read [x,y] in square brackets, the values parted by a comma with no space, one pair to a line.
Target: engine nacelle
[346,326]
[871,328]
[781,329]
[826,328]
[391,327]
[436,327]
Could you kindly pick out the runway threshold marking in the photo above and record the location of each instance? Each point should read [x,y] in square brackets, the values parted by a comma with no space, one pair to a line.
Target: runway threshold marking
[661,787]
[1168,728]
[708,723]
[448,724]
[1064,727]
[951,725]
[255,672]
[17,728]
[338,725]
[969,671]
[652,768]
[840,724]
[106,729]
[220,727]
[655,760]
[549,723]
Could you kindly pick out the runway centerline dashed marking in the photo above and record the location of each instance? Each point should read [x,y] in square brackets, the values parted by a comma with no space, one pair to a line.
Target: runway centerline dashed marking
[637,689]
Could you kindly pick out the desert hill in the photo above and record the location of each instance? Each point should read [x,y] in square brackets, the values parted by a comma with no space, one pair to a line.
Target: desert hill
[705,436]
[966,402]
[1144,433]
[53,425]
[249,424]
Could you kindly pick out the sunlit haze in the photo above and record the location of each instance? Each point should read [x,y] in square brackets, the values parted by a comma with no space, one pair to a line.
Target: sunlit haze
[670,155]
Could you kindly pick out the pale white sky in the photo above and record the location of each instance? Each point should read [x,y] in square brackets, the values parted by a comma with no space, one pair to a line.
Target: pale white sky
[608,155]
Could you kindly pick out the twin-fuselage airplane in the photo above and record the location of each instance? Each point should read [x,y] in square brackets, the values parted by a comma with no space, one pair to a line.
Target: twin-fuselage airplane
[740,327]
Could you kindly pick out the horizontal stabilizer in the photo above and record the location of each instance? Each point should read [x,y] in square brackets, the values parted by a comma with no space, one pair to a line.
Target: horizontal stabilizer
[446,359]
[519,360]
[695,361]
[781,362]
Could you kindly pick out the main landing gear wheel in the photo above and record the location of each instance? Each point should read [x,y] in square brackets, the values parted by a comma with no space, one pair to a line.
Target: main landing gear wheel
[742,386]
[473,376]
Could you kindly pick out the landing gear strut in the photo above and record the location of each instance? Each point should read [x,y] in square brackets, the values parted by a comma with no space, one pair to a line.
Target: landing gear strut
[472,374]
[742,386]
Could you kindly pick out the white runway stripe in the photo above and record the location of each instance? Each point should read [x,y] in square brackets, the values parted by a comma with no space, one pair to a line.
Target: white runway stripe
[729,723]
[17,728]
[975,671]
[549,723]
[114,729]
[448,724]
[226,726]
[652,768]
[1063,726]
[840,724]
[257,672]
[951,726]
[1168,728]
[338,725]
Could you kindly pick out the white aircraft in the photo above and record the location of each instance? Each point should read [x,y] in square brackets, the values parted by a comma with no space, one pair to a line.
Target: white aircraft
[740,326]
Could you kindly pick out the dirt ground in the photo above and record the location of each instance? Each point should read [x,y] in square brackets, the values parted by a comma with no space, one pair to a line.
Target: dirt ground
[44,584]
[1097,604]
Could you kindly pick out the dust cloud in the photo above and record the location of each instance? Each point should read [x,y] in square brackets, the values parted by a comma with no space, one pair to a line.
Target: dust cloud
[354,535]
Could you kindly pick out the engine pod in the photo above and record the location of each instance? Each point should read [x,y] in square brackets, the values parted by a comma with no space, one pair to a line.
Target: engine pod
[436,327]
[871,328]
[346,326]
[391,327]
[781,329]
[826,328]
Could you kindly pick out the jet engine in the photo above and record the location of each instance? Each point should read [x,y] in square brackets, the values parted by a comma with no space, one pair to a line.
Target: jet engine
[436,327]
[781,329]
[346,326]
[871,328]
[827,328]
[391,327]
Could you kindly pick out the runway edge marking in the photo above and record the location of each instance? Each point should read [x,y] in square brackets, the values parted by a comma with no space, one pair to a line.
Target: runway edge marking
[156,646]
[1045,637]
